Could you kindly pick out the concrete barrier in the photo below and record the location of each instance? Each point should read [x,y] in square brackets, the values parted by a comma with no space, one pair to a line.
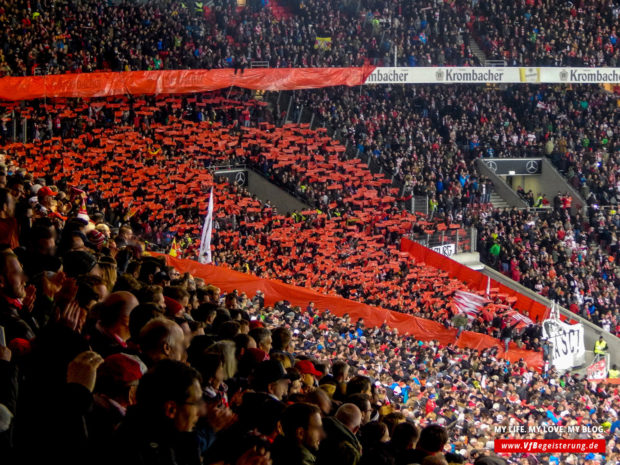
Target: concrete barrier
[278,197]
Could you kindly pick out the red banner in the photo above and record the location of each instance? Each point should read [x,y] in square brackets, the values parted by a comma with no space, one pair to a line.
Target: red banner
[422,329]
[474,279]
[177,82]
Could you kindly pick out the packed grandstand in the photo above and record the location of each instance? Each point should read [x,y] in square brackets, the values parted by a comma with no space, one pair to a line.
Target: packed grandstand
[310,330]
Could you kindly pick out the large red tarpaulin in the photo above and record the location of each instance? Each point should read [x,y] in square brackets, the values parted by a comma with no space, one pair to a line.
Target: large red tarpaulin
[177,82]
[422,329]
[474,279]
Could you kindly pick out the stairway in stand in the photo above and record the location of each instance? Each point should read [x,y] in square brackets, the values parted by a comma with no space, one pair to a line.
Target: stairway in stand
[498,202]
[279,12]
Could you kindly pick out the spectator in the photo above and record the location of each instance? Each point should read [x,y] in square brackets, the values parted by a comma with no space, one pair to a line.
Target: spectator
[302,433]
[112,330]
[341,444]
[271,379]
[432,440]
[168,403]
[403,443]
[162,339]
[12,290]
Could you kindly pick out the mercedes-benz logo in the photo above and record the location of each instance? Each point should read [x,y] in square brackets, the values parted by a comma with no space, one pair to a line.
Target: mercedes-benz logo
[492,165]
[531,166]
[240,178]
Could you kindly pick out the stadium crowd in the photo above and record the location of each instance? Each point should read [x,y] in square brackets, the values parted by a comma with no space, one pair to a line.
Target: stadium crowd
[57,37]
[346,245]
[570,261]
[548,33]
[112,355]
[445,133]
[408,129]
[49,37]
[576,128]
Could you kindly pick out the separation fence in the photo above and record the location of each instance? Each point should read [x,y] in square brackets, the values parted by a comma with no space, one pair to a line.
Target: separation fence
[106,84]
[422,329]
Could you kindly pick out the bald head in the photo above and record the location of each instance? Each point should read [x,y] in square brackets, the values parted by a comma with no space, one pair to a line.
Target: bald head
[162,338]
[114,311]
[350,416]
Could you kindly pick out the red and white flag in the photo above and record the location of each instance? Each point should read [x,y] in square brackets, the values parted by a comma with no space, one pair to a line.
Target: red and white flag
[522,320]
[468,303]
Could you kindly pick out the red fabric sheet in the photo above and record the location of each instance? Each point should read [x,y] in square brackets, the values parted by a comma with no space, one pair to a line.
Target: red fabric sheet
[177,82]
[420,328]
[474,279]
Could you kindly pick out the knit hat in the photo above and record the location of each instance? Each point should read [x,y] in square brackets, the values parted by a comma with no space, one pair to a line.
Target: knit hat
[172,306]
[96,238]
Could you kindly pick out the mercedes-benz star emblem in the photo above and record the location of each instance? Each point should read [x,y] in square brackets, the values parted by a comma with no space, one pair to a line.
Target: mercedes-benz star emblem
[240,177]
[492,165]
[531,166]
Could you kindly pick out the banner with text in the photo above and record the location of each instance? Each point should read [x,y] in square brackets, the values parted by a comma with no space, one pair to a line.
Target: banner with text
[107,84]
[493,75]
[447,250]
[568,349]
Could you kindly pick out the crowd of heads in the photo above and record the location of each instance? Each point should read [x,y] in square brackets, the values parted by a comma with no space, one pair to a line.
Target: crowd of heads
[569,260]
[112,355]
[407,130]
[456,131]
[50,37]
[350,232]
[47,37]
[548,33]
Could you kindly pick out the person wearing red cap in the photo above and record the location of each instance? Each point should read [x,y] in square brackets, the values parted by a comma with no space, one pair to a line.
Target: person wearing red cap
[169,401]
[115,390]
[310,375]
[46,197]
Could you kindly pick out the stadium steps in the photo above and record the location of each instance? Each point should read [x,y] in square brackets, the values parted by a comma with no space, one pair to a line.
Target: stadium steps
[498,201]
[477,51]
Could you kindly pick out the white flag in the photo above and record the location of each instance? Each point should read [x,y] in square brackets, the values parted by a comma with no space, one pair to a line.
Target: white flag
[204,256]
